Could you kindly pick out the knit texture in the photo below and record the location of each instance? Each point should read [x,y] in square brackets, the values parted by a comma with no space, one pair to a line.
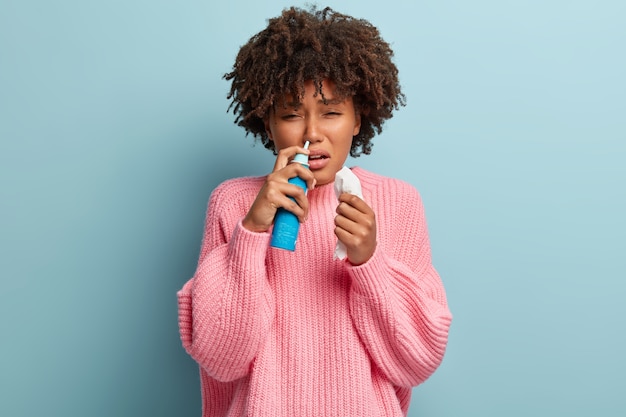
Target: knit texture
[298,334]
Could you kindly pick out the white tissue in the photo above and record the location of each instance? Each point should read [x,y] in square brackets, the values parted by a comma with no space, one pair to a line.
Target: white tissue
[345,182]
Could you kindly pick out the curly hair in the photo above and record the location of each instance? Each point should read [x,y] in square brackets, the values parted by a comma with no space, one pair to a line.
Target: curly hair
[302,45]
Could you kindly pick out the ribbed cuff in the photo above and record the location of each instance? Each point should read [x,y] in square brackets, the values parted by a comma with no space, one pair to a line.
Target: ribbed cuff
[371,278]
[247,249]
[185,321]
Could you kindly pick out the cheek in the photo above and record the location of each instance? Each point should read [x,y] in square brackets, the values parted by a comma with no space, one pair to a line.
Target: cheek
[285,134]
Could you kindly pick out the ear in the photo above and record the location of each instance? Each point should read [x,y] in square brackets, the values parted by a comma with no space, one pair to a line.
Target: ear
[357,124]
[268,130]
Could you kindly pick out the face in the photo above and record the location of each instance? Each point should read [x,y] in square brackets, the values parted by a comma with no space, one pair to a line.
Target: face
[329,127]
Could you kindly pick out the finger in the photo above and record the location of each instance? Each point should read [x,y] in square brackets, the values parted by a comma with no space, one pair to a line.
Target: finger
[353,219]
[286,155]
[290,170]
[291,198]
[275,193]
[305,174]
[359,237]
[343,235]
[356,202]
[346,211]
[360,246]
[347,224]
[351,236]
[356,215]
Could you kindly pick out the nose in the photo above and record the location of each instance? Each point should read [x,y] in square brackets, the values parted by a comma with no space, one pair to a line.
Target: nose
[312,131]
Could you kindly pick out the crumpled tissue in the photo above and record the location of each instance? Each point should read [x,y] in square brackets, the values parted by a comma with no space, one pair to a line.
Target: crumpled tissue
[345,182]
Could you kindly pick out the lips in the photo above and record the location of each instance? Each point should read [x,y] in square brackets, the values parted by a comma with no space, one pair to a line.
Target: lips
[318,159]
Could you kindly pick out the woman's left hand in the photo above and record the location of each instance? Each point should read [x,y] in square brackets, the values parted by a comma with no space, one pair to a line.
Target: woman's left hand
[355,227]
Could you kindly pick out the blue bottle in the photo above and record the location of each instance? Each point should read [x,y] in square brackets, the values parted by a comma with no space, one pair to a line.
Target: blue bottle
[286,224]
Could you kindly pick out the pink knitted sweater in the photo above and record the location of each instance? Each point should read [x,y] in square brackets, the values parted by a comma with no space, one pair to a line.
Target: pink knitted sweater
[298,334]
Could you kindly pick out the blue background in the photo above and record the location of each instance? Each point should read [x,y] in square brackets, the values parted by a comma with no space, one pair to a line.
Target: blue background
[114,131]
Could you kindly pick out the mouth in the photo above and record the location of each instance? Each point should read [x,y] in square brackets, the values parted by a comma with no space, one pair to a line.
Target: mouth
[318,159]
[318,154]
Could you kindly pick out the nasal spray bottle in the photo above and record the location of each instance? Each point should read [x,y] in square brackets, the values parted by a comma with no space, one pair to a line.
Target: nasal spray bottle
[286,224]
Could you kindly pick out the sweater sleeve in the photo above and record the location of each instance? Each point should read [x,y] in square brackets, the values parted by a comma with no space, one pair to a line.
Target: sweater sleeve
[226,308]
[397,299]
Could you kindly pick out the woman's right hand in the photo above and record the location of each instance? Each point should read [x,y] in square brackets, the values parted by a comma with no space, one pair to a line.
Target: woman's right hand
[276,191]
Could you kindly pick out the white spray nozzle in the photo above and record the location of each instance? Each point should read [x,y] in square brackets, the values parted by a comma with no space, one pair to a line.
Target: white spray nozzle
[302,158]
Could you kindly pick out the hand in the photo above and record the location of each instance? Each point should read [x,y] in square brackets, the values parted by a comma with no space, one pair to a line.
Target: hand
[355,227]
[276,191]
